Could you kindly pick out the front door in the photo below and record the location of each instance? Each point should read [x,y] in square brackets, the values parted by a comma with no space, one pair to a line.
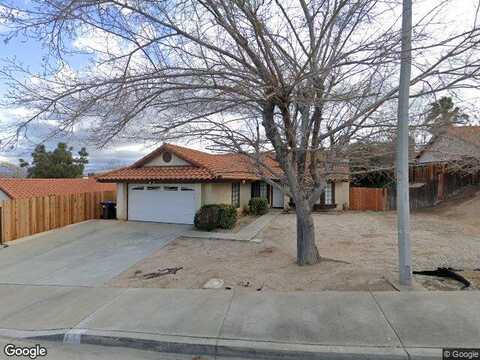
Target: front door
[277,198]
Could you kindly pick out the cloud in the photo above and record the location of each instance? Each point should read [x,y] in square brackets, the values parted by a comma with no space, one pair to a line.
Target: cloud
[99,159]
[114,156]
[95,40]
[4,158]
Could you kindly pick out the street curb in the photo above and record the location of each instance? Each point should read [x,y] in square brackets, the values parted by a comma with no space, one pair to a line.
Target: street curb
[282,351]
[424,353]
[220,348]
[52,335]
[161,346]
[228,348]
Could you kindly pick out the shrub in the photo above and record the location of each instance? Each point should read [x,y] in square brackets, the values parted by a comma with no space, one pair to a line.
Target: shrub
[227,216]
[258,205]
[207,217]
[210,217]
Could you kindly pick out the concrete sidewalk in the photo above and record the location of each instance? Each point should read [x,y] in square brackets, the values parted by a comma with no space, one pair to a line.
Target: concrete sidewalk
[269,325]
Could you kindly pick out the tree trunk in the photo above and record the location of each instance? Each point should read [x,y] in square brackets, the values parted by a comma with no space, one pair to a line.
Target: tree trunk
[307,252]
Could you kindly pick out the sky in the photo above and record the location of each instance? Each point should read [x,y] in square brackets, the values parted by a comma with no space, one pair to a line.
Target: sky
[31,53]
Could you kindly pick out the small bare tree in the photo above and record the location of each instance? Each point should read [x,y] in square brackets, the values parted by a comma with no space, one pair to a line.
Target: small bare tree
[303,78]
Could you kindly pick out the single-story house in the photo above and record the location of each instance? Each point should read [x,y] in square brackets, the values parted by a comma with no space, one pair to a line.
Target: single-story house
[16,188]
[451,160]
[372,163]
[455,143]
[171,183]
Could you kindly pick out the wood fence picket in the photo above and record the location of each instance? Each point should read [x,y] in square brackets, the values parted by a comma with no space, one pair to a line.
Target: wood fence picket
[24,217]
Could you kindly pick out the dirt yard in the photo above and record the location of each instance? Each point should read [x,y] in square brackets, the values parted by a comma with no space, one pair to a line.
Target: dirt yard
[360,250]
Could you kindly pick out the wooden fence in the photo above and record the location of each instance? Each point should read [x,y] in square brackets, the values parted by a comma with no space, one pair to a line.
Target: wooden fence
[431,192]
[422,195]
[427,192]
[363,198]
[24,217]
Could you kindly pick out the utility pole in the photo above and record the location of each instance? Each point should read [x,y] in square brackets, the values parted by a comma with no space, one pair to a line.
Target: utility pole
[403,198]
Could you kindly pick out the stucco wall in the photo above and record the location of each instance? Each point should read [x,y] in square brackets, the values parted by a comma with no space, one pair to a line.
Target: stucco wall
[198,189]
[122,201]
[158,161]
[217,193]
[221,193]
[342,195]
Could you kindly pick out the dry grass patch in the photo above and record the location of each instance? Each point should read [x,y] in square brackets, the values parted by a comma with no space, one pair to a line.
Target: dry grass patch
[359,248]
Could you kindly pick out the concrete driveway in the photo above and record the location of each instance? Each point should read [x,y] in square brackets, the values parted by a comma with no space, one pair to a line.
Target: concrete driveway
[85,254]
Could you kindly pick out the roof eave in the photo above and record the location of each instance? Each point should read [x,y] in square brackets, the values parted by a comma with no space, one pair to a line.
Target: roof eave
[6,192]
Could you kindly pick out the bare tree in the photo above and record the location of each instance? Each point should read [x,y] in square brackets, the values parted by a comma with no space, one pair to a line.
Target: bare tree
[303,78]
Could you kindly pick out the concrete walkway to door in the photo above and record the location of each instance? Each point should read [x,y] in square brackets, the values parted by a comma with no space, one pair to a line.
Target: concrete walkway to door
[248,233]
[84,254]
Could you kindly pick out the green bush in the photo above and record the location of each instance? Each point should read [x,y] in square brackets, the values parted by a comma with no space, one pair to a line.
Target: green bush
[210,217]
[258,205]
[227,216]
[207,217]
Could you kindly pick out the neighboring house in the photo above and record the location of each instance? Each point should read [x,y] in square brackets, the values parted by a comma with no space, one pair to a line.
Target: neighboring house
[372,164]
[171,183]
[13,189]
[448,163]
[455,143]
[451,160]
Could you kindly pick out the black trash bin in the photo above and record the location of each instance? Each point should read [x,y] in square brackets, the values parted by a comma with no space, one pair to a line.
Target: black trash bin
[109,209]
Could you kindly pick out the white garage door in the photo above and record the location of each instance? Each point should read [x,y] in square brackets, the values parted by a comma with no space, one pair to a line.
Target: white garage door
[172,203]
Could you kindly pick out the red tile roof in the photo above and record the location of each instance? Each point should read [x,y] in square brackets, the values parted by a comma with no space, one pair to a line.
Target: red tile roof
[27,188]
[204,167]
[158,173]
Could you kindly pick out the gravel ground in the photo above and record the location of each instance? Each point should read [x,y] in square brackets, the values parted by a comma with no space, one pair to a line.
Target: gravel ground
[360,250]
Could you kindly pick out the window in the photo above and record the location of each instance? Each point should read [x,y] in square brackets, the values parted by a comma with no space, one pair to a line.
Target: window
[170,188]
[263,190]
[236,195]
[328,194]
[184,188]
[167,157]
[157,188]
[137,188]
